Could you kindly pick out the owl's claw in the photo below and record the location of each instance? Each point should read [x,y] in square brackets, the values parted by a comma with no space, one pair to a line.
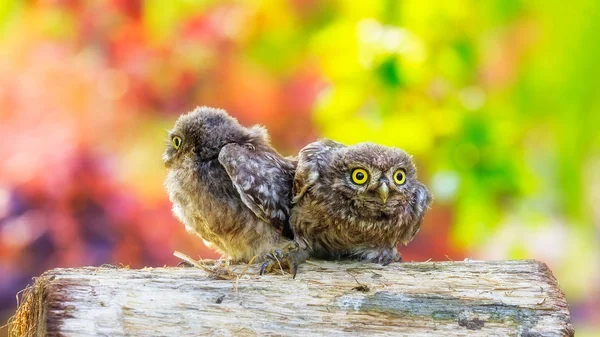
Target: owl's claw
[274,254]
[385,257]
[263,267]
[272,264]
[289,257]
[390,258]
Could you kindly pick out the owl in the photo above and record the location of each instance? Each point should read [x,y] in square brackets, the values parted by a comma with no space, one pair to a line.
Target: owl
[228,185]
[353,202]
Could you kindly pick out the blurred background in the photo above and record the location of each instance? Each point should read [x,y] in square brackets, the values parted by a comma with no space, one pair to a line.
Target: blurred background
[499,102]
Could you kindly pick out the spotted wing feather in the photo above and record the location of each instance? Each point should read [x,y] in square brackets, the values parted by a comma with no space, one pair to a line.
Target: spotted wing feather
[311,160]
[264,181]
[419,205]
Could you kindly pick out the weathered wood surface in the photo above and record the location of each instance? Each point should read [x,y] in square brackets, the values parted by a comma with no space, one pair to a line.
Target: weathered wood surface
[503,298]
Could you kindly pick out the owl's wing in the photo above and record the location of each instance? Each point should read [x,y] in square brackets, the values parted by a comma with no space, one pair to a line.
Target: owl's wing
[311,159]
[264,181]
[419,204]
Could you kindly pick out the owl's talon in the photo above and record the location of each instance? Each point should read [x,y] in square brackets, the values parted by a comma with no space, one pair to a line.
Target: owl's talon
[385,257]
[287,258]
[271,264]
[264,266]
[275,254]
[391,259]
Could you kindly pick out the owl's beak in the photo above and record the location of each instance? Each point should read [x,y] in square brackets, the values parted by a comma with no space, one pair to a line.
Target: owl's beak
[383,192]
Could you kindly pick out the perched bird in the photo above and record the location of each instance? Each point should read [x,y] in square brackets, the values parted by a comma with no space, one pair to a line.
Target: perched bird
[356,201]
[228,185]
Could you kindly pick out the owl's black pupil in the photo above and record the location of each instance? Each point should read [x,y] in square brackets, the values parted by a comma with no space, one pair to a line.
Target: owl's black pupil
[399,176]
[360,176]
[177,142]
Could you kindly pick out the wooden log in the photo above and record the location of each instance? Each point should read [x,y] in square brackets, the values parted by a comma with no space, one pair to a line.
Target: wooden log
[475,298]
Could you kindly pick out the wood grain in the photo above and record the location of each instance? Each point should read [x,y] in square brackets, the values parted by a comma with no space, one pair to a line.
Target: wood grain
[502,298]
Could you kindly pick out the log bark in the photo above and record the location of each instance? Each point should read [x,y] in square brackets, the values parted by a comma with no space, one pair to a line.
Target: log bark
[475,298]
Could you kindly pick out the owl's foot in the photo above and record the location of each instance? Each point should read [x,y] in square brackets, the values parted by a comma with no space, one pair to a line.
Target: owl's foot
[286,258]
[384,257]
[389,259]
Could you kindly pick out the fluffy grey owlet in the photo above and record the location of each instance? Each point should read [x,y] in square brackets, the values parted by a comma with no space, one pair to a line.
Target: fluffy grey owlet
[355,202]
[227,184]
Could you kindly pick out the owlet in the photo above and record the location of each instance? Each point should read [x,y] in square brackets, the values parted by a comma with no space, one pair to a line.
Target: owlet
[355,202]
[227,184]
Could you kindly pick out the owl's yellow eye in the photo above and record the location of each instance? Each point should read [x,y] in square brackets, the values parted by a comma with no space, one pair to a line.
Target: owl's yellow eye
[176,142]
[360,176]
[400,177]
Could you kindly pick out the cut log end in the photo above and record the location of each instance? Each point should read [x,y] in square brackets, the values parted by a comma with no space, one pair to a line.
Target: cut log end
[327,298]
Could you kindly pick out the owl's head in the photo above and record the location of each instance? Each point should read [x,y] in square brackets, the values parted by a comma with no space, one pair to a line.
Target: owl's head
[377,180]
[200,134]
